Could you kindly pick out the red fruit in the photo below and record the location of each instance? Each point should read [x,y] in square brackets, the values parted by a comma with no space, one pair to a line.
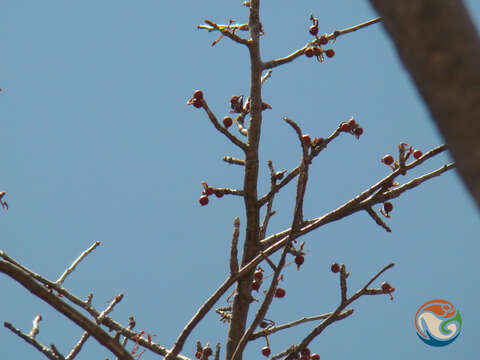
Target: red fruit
[258,275]
[198,354]
[417,154]
[330,53]
[305,352]
[388,159]
[315,357]
[306,140]
[323,40]
[317,51]
[387,206]
[208,191]
[313,30]
[352,123]
[198,103]
[256,285]
[207,351]
[198,94]
[280,293]
[358,131]
[203,200]
[299,260]
[386,287]
[266,351]
[309,52]
[345,127]
[227,121]
[335,268]
[218,194]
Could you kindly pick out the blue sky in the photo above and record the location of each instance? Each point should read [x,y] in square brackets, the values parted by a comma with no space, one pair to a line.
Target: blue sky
[98,145]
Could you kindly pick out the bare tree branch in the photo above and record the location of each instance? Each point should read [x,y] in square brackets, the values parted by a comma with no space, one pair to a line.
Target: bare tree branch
[98,333]
[31,340]
[277,62]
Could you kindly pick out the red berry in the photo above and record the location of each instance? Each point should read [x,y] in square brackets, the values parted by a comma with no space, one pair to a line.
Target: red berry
[388,159]
[299,260]
[323,40]
[386,287]
[218,194]
[256,285]
[198,94]
[352,123]
[317,51]
[280,293]
[306,140]
[266,351]
[305,352]
[335,268]
[345,127]
[315,357]
[417,154]
[313,30]
[198,354]
[198,103]
[227,121]
[203,200]
[258,275]
[330,53]
[387,206]
[309,52]
[358,131]
[207,351]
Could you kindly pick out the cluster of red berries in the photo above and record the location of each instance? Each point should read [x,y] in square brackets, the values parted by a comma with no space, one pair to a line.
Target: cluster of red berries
[322,40]
[351,127]
[390,160]
[258,280]
[197,99]
[312,143]
[318,52]
[205,352]
[207,191]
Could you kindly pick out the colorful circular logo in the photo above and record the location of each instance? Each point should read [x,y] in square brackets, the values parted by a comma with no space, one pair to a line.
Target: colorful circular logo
[438,323]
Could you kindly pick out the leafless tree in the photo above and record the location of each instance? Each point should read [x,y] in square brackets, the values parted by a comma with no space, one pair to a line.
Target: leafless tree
[245,274]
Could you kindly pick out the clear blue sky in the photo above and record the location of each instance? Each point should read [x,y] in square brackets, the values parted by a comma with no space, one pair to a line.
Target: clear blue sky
[98,145]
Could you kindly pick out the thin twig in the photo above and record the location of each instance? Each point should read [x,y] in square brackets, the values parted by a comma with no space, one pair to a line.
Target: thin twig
[377,218]
[78,346]
[76,262]
[234,161]
[35,329]
[110,307]
[57,352]
[223,129]
[227,33]
[234,249]
[303,320]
